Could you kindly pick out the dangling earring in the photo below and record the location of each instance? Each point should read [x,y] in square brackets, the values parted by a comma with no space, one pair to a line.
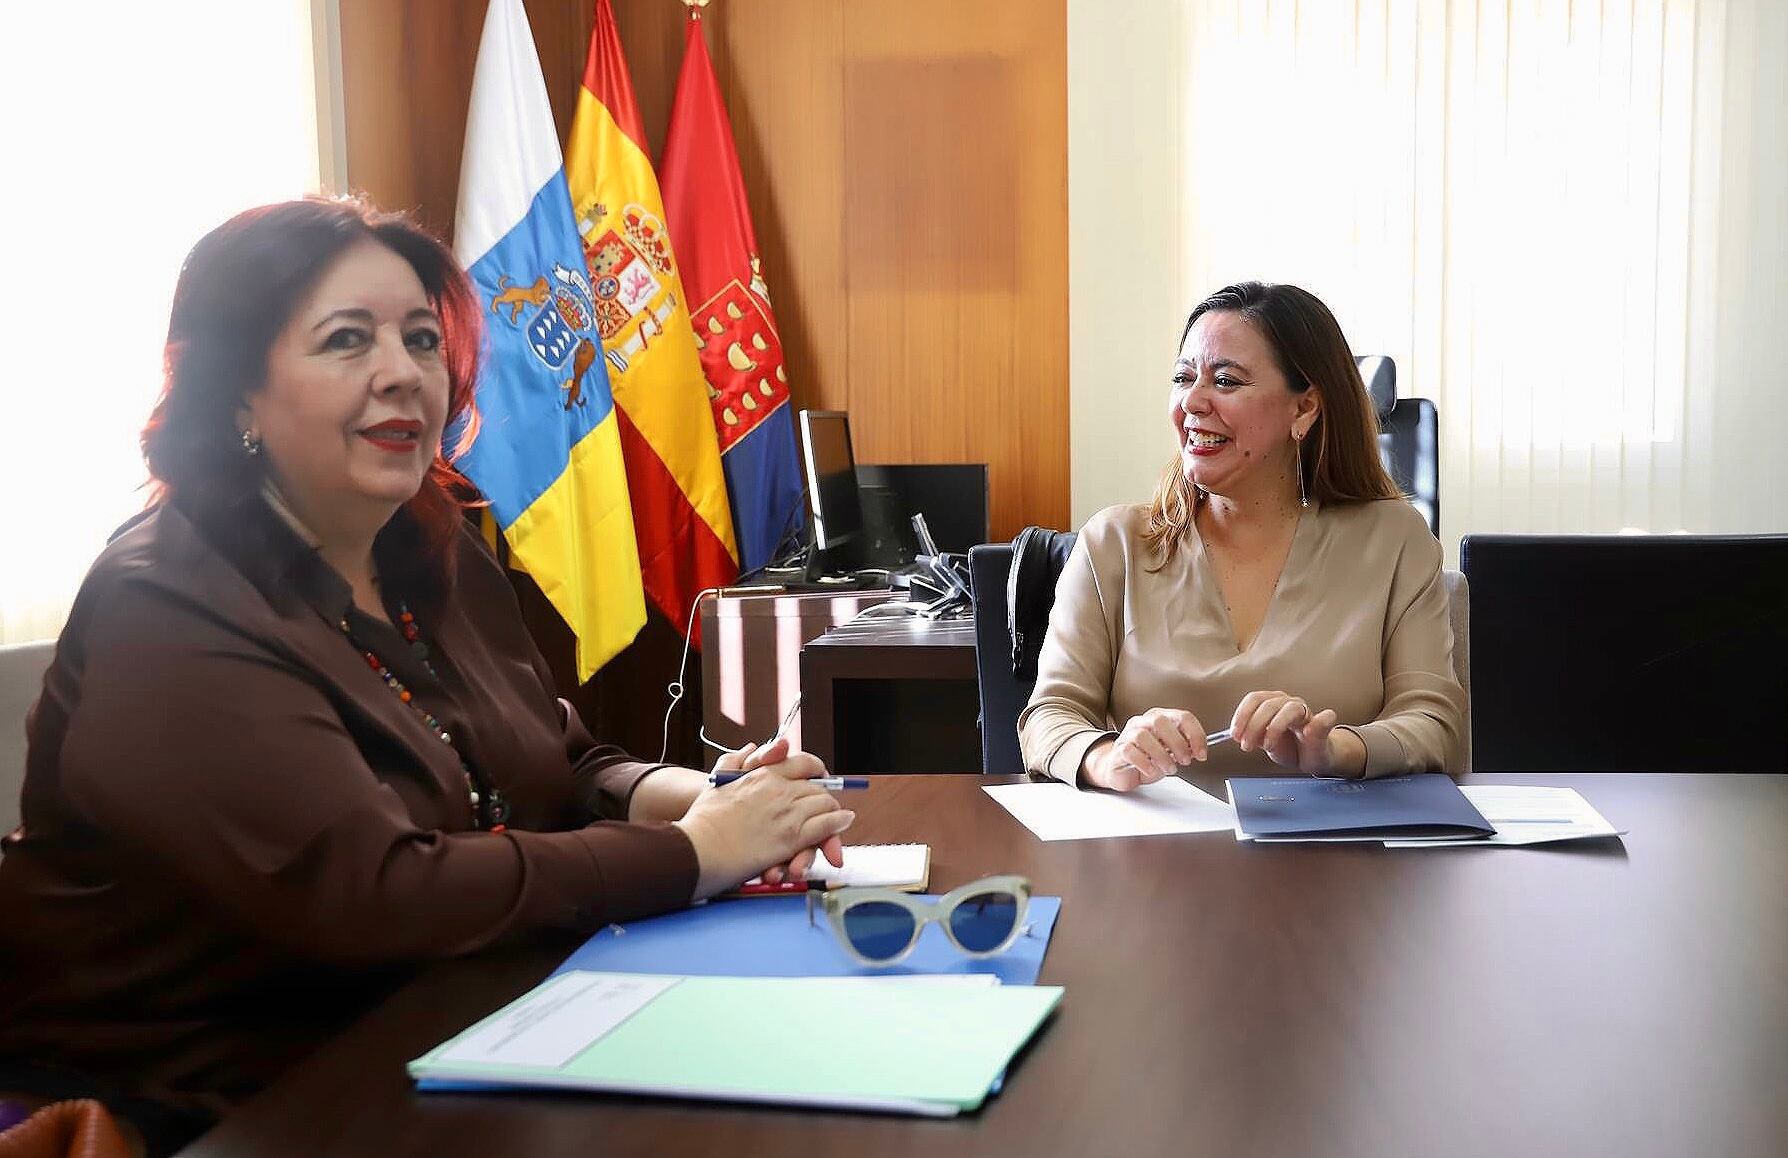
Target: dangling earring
[251,443]
[1297,452]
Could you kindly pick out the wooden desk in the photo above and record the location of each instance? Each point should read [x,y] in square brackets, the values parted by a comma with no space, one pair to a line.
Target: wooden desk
[892,694]
[751,657]
[1235,999]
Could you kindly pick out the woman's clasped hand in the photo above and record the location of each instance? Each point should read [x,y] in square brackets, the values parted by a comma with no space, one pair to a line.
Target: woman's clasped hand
[774,809]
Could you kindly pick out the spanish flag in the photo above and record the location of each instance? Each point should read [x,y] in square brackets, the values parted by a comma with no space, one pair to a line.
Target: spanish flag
[548,455]
[680,512]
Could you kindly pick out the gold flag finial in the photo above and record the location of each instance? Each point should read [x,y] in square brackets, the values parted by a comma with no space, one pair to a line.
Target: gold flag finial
[695,6]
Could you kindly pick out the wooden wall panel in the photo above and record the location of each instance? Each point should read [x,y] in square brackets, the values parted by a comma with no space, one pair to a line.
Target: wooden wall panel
[965,353]
[407,81]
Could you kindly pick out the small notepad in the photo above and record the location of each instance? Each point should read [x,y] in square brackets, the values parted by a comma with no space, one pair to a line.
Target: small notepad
[906,867]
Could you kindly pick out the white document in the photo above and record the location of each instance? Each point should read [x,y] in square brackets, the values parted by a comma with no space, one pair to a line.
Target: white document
[1063,812]
[885,866]
[561,1019]
[1523,815]
[955,980]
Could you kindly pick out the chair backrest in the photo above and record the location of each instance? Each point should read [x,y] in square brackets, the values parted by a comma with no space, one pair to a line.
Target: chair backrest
[1409,444]
[1459,615]
[1628,653]
[1408,436]
[21,681]
[1003,695]
[69,1126]
[1004,692]
[1379,372]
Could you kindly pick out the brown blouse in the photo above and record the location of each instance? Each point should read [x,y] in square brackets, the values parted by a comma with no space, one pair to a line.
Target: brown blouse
[236,837]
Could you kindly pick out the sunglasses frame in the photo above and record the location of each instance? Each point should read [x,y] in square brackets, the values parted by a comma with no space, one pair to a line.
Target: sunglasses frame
[924,912]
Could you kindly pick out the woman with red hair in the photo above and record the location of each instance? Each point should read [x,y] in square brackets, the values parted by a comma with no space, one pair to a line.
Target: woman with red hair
[296,738]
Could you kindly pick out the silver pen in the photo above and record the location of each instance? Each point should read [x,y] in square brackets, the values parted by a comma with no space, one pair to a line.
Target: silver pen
[788,718]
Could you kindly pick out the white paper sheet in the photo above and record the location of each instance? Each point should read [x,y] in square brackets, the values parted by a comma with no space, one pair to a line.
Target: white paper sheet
[1524,815]
[1062,812]
[560,1020]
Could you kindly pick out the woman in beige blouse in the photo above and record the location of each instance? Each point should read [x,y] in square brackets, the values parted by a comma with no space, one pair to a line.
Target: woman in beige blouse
[1278,583]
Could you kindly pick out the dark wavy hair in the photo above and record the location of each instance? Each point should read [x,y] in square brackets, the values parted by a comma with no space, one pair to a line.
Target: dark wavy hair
[238,288]
[1312,352]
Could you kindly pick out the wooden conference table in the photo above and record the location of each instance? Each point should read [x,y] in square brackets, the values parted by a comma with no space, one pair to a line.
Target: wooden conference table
[1232,999]
[892,694]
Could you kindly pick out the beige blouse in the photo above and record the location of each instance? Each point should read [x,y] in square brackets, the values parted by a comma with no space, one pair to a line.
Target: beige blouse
[1358,623]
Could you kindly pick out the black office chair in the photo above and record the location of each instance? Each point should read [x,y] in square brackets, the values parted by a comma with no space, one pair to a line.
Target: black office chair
[1408,436]
[1628,653]
[1003,690]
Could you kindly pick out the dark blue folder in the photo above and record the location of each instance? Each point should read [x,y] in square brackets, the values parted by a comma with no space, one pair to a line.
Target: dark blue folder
[1396,807]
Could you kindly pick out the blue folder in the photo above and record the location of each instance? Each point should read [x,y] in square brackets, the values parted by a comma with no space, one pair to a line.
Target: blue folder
[770,937]
[1424,805]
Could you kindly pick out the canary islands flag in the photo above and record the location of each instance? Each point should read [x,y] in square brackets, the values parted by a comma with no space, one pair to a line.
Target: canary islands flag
[548,453]
[680,511]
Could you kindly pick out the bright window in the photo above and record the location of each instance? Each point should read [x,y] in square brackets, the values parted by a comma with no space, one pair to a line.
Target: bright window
[1564,220]
[131,129]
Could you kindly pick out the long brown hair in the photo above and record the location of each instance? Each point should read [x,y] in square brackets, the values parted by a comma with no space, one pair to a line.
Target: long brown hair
[237,290]
[1311,351]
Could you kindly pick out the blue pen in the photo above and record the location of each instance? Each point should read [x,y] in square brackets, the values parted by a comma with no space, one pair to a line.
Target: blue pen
[830,783]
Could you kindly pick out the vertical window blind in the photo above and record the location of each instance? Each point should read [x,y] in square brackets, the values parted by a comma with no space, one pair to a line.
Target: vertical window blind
[1565,219]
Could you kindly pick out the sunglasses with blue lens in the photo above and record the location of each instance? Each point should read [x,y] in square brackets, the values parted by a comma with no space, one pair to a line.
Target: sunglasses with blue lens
[881,926]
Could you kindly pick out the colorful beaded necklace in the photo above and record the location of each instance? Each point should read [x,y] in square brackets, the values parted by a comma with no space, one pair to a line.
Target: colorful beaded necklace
[489,809]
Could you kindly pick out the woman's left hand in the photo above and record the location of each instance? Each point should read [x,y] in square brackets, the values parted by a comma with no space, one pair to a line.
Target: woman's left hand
[1284,727]
[795,765]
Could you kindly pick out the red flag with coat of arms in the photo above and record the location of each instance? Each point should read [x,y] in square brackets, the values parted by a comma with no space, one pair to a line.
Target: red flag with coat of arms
[741,354]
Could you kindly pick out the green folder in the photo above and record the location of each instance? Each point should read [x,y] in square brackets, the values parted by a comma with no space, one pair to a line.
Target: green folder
[866,1043]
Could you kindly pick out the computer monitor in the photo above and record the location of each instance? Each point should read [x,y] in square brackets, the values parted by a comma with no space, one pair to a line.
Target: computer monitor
[831,471]
[951,496]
